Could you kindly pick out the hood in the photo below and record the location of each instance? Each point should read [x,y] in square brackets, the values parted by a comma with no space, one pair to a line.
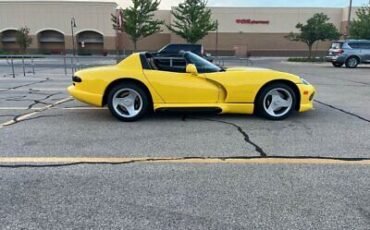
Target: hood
[247,69]
[264,72]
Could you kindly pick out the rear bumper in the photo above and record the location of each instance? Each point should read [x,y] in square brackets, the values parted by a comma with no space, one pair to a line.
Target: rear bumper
[339,59]
[307,93]
[86,97]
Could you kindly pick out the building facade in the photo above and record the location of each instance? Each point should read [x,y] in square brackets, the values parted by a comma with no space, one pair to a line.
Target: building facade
[242,31]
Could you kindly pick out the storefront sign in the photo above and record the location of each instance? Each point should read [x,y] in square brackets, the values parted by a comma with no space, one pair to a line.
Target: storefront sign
[252,22]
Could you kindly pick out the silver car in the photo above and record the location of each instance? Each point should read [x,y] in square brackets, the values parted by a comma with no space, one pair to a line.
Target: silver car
[350,53]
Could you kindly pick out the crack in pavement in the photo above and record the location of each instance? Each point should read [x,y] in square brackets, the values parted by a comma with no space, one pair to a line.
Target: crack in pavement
[247,139]
[35,102]
[359,82]
[41,101]
[26,116]
[24,85]
[343,111]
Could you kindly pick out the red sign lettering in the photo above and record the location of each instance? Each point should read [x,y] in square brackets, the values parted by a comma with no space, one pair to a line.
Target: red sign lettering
[252,22]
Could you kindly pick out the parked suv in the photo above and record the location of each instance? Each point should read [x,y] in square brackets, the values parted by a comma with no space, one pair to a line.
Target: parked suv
[350,53]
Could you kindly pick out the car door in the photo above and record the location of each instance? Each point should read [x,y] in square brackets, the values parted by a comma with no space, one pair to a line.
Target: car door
[182,88]
[366,52]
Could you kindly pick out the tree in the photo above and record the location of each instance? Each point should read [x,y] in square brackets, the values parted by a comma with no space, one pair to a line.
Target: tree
[192,20]
[23,38]
[360,28]
[137,21]
[318,28]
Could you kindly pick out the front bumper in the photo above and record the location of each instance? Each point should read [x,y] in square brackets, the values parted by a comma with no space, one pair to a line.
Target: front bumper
[307,93]
[86,97]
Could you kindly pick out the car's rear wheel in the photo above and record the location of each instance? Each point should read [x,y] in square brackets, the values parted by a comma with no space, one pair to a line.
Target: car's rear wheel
[352,62]
[276,102]
[128,102]
[337,64]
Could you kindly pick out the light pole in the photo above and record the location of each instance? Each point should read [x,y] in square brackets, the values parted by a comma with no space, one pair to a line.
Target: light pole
[217,39]
[73,25]
[349,18]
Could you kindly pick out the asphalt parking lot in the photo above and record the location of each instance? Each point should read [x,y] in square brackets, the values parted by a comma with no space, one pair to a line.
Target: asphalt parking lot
[39,120]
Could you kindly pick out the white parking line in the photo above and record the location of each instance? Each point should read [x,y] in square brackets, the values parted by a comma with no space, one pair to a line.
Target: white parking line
[16,108]
[35,89]
[84,108]
[38,108]
[48,89]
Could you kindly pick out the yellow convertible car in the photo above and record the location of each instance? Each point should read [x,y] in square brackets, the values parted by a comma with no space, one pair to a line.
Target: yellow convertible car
[142,83]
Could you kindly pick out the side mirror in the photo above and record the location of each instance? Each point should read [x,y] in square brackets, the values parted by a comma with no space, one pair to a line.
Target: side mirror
[191,68]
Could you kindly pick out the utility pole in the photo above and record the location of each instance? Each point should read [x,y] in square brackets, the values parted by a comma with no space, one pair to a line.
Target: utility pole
[73,25]
[349,18]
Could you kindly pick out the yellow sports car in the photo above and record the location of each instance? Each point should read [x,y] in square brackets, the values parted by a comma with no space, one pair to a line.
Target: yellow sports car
[142,82]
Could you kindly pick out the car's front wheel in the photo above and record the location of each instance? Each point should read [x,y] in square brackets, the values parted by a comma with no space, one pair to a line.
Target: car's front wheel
[276,102]
[128,102]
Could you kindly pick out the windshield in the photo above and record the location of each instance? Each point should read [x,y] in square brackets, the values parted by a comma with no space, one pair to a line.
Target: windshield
[167,48]
[202,64]
[337,45]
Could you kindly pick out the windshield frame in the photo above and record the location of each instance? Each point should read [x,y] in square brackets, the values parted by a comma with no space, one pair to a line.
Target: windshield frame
[202,64]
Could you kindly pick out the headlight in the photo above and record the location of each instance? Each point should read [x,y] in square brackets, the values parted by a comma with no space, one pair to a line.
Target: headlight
[305,82]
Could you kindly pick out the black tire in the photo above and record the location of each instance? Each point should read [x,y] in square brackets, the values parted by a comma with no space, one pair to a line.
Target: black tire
[260,102]
[144,99]
[352,62]
[337,64]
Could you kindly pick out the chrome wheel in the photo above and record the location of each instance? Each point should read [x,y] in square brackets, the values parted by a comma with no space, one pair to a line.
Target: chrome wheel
[127,103]
[278,102]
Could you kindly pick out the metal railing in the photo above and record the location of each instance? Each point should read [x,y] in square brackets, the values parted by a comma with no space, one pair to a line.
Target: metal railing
[244,61]
[26,65]
[29,65]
